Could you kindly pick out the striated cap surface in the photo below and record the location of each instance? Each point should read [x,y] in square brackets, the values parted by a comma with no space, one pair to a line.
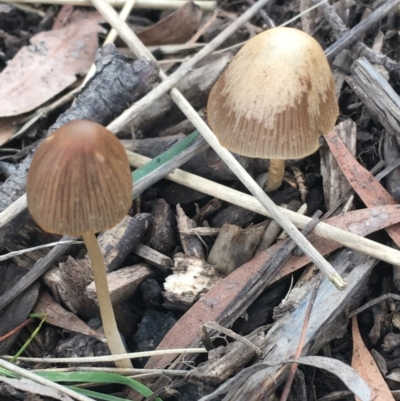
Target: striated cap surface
[79,180]
[275,98]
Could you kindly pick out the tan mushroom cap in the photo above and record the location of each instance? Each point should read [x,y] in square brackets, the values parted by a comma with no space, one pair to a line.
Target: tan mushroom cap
[79,180]
[275,97]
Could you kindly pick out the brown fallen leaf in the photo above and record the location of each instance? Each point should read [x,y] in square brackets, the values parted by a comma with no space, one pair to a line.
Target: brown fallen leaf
[177,28]
[213,305]
[368,188]
[58,316]
[363,362]
[49,65]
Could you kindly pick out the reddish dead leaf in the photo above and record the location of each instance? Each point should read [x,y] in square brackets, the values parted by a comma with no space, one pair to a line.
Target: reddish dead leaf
[58,316]
[177,28]
[49,65]
[363,362]
[363,182]
[212,305]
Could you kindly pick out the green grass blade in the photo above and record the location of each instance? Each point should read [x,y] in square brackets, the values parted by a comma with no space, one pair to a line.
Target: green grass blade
[164,157]
[96,394]
[97,377]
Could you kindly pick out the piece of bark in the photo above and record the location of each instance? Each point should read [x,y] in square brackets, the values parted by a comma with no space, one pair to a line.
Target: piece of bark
[377,95]
[122,283]
[153,257]
[162,234]
[195,86]
[191,277]
[210,208]
[103,99]
[192,246]
[234,246]
[18,311]
[336,186]
[69,281]
[118,242]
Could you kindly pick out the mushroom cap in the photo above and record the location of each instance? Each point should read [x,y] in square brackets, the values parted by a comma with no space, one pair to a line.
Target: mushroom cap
[275,97]
[79,180]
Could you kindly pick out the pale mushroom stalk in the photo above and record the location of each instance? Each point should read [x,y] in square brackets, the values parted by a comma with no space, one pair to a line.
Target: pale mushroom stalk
[111,332]
[275,174]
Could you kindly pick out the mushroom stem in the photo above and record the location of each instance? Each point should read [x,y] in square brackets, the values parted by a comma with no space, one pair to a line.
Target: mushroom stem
[111,332]
[275,175]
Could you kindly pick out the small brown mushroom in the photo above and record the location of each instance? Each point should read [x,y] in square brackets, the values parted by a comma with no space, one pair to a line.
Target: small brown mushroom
[80,183]
[274,99]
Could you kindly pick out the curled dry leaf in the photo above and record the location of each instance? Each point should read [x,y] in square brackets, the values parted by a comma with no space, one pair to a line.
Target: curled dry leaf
[363,362]
[49,65]
[177,28]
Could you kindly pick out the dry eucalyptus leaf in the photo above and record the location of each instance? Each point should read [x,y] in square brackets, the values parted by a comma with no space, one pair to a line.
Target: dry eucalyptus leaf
[177,28]
[368,188]
[58,316]
[48,66]
[363,362]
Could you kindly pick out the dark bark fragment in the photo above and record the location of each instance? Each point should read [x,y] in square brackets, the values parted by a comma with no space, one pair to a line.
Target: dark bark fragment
[162,233]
